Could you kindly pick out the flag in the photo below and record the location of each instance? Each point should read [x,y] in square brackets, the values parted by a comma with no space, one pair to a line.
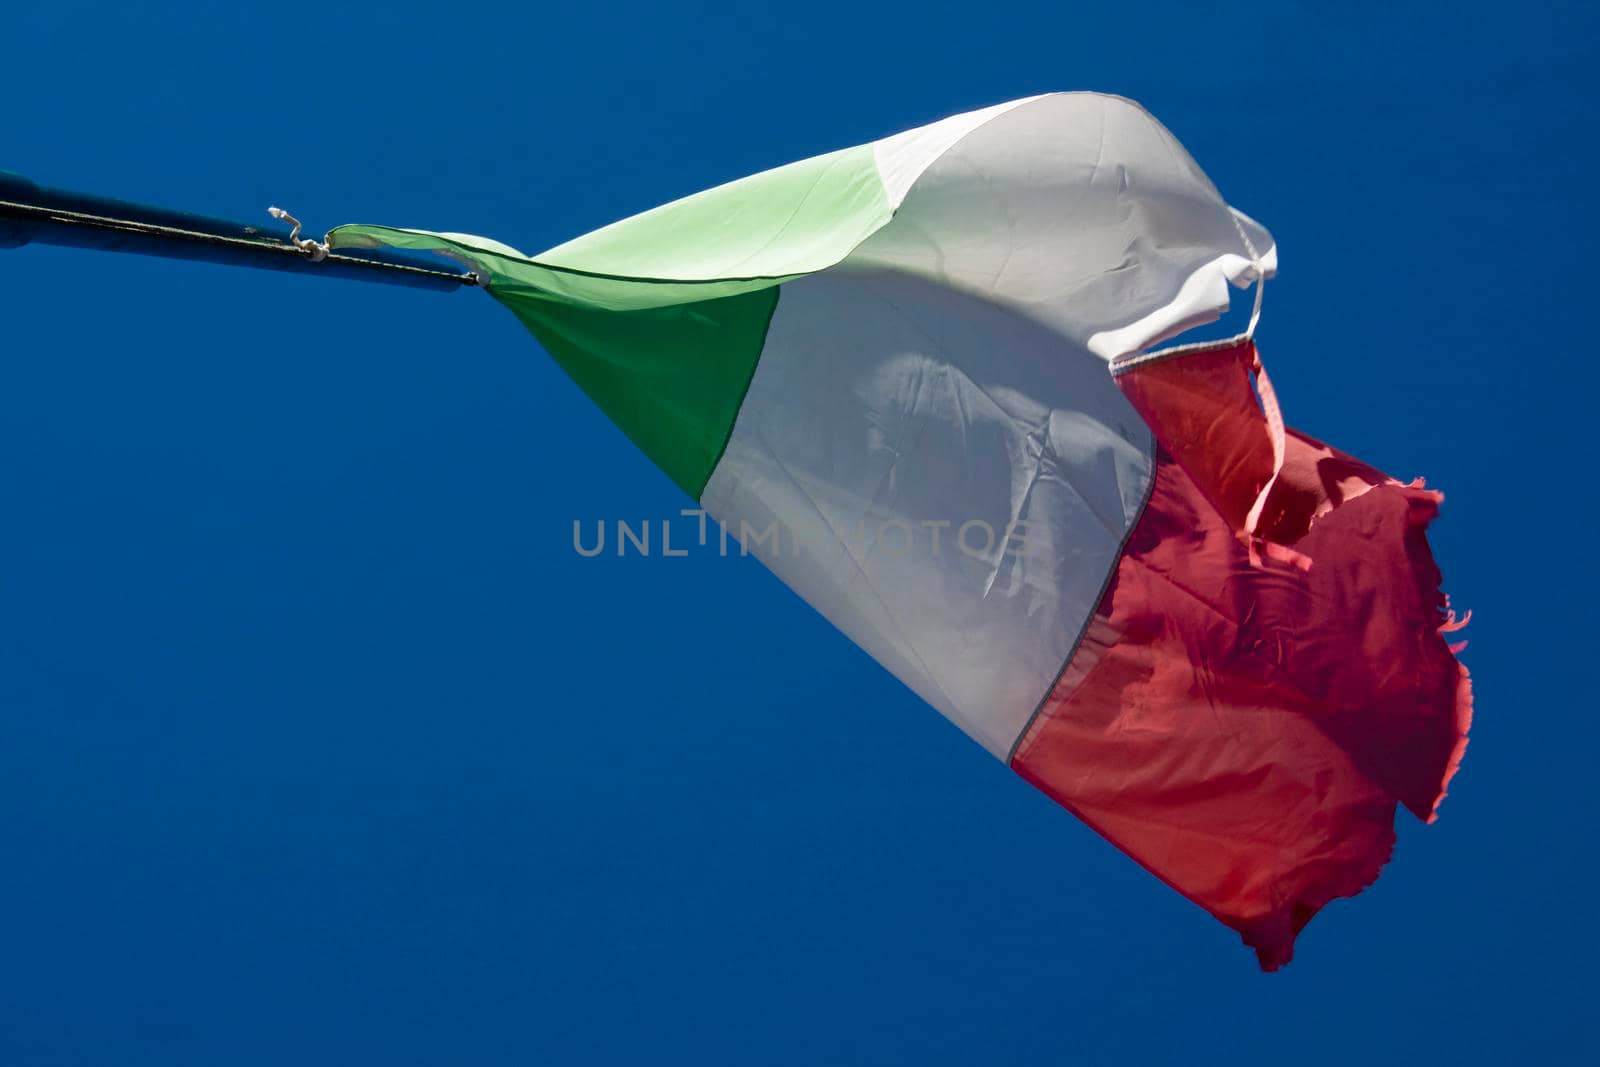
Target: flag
[923,378]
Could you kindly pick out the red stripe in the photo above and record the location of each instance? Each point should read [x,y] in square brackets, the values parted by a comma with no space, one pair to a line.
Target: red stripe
[1242,716]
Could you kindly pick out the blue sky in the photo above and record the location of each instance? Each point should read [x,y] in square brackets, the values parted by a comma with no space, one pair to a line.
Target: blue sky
[318,744]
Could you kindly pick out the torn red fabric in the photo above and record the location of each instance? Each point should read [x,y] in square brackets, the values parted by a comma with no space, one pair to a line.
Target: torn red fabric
[1245,711]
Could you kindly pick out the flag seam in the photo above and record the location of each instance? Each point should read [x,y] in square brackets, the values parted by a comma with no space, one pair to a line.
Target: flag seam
[1105,584]
[727,436]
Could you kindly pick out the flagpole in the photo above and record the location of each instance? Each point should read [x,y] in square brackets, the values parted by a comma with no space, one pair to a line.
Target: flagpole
[34,214]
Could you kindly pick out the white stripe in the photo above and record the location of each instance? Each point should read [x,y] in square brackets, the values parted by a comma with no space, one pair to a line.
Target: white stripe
[1201,298]
[902,158]
[943,375]
[884,403]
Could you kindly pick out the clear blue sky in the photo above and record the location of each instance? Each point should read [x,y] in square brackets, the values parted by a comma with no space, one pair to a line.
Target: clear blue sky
[318,744]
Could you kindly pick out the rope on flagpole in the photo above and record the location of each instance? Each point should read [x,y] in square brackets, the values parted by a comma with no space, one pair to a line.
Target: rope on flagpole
[317,250]
[264,244]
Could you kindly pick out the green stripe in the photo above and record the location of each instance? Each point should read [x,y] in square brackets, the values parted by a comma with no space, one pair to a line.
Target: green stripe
[661,318]
[671,378]
[791,220]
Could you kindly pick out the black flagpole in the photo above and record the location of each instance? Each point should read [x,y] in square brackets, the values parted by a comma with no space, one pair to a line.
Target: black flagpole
[32,214]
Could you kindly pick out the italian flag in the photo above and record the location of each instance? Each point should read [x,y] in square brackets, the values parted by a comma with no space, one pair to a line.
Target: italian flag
[933,366]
